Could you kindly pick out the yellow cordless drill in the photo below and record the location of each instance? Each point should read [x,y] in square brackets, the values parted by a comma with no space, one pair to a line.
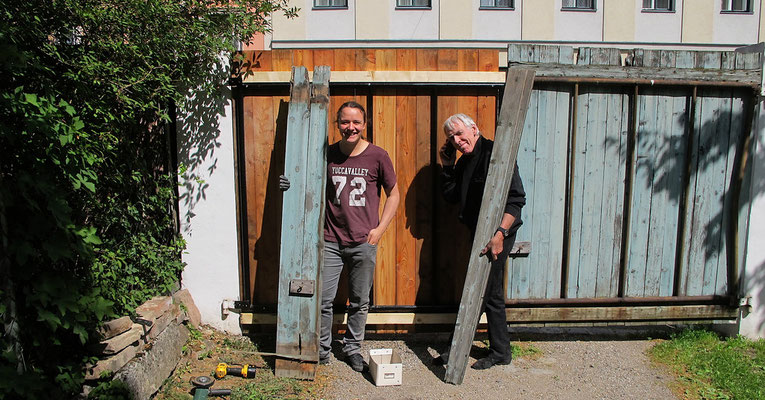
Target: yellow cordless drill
[245,371]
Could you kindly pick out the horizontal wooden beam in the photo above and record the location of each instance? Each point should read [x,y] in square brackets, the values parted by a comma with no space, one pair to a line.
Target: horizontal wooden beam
[402,77]
[539,315]
[596,74]
[642,75]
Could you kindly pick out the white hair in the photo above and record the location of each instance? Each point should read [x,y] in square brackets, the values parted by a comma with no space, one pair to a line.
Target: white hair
[466,120]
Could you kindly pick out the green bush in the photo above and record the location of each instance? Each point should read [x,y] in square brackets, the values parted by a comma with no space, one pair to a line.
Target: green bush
[87,185]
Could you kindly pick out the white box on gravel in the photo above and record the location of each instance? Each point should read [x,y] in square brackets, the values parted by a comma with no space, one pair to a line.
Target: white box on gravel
[385,367]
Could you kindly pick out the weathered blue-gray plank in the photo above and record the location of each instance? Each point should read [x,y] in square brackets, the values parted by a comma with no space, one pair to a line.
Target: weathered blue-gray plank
[657,190]
[542,165]
[303,216]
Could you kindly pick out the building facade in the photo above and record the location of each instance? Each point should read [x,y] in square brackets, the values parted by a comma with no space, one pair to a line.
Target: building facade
[696,24]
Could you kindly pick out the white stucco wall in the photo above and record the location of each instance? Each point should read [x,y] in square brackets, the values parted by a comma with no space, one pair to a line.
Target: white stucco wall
[207,205]
[753,281]
[736,28]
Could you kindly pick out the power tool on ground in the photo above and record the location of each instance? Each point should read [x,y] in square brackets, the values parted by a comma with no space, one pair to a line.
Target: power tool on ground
[245,371]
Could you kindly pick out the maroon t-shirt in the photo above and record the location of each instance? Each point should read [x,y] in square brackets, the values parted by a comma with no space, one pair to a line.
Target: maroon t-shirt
[353,193]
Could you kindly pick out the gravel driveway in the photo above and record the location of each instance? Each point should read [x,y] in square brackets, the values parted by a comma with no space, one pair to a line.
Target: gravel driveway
[567,368]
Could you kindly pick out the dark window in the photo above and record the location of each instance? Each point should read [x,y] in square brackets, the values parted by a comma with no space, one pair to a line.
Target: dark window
[497,4]
[659,5]
[330,3]
[413,3]
[579,4]
[737,5]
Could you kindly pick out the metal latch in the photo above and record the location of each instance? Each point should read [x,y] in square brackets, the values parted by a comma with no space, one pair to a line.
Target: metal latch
[302,287]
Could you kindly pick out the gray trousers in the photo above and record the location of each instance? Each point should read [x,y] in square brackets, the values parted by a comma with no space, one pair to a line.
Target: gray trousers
[360,260]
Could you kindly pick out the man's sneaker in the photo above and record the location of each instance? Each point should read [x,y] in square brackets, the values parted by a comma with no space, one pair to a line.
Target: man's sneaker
[356,361]
[324,360]
[488,362]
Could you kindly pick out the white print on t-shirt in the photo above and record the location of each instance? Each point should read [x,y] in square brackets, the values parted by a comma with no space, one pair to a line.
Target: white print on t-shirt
[356,197]
[349,171]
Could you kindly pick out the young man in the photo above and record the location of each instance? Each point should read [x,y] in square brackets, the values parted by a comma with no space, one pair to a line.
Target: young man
[463,183]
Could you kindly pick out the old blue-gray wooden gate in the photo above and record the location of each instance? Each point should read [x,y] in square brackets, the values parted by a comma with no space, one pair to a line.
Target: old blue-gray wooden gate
[636,175]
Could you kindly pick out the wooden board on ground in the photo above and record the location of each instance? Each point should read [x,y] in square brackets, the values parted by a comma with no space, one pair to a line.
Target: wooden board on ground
[298,318]
[510,123]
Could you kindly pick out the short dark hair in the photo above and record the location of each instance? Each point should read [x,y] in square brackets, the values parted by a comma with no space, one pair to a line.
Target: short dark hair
[351,104]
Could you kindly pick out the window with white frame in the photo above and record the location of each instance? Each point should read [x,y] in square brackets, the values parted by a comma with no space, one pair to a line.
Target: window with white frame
[578,4]
[497,4]
[413,3]
[737,5]
[658,5]
[330,3]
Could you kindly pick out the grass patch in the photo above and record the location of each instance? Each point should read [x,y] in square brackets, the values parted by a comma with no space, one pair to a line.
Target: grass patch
[525,350]
[269,387]
[521,350]
[711,367]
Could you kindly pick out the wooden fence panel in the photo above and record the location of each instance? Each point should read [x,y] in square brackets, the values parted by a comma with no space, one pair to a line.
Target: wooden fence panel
[657,192]
[542,166]
[422,258]
[598,201]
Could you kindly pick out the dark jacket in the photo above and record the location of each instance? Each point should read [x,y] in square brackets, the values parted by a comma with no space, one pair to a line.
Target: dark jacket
[464,182]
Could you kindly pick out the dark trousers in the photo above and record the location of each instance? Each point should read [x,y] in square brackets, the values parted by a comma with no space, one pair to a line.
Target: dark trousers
[494,304]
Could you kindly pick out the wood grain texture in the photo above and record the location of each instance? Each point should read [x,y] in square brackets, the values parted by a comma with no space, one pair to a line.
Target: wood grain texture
[385,287]
[406,169]
[509,128]
[290,323]
[427,59]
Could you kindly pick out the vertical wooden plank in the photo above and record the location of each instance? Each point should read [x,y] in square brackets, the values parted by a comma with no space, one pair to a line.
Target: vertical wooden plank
[591,211]
[263,204]
[447,59]
[421,195]
[559,181]
[467,59]
[488,60]
[406,59]
[385,59]
[260,60]
[365,59]
[486,112]
[324,57]
[450,257]
[514,105]
[612,200]
[345,60]
[385,136]
[575,231]
[427,59]
[303,57]
[518,271]
[281,59]
[734,106]
[645,149]
[289,324]
[406,168]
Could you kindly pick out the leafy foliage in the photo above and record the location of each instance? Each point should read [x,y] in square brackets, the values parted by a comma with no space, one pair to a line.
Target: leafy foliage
[87,183]
[709,367]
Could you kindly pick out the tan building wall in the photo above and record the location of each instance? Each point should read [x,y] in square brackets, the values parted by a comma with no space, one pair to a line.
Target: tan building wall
[618,25]
[697,21]
[372,20]
[457,20]
[538,19]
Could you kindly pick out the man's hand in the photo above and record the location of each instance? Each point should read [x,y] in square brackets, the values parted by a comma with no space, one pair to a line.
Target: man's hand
[284,183]
[494,247]
[448,154]
[374,236]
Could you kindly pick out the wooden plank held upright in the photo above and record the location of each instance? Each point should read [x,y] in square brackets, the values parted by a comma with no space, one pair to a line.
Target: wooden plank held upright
[512,115]
[298,318]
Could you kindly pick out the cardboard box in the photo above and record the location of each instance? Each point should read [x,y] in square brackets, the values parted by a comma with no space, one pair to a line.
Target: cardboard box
[385,367]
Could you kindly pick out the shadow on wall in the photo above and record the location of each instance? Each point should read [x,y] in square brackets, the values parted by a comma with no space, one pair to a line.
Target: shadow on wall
[198,129]
[715,197]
